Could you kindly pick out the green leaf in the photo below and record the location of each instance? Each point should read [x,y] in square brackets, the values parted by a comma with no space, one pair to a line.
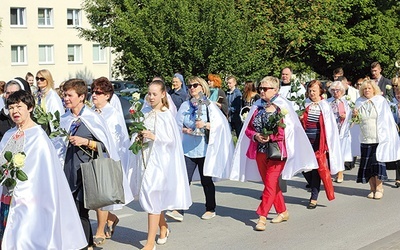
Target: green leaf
[21,175]
[8,156]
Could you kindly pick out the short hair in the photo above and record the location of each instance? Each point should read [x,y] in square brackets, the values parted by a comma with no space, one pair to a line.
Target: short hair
[78,85]
[366,82]
[12,82]
[47,75]
[396,80]
[338,71]
[203,83]
[319,84]
[21,96]
[337,84]
[271,80]
[2,86]
[160,83]
[216,79]
[375,64]
[290,69]
[231,77]
[104,85]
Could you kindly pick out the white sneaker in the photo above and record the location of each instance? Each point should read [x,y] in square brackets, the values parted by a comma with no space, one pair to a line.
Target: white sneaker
[174,215]
[208,215]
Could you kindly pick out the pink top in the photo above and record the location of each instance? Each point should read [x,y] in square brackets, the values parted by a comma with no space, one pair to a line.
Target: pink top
[250,132]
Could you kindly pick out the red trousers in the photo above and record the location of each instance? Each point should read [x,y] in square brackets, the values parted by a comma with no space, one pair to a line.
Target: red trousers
[270,170]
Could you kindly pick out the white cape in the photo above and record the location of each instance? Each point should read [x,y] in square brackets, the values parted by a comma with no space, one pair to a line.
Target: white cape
[220,144]
[336,162]
[164,184]
[119,134]
[344,133]
[300,155]
[389,143]
[42,214]
[53,104]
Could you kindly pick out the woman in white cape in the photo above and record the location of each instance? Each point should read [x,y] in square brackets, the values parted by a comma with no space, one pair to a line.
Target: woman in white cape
[342,112]
[295,148]
[379,138]
[42,213]
[102,92]
[157,173]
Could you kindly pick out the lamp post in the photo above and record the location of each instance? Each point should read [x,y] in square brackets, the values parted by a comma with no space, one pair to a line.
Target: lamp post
[109,56]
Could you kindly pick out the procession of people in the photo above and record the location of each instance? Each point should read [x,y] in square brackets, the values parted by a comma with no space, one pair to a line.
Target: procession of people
[195,131]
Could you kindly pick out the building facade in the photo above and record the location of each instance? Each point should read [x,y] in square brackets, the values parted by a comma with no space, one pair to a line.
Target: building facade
[42,34]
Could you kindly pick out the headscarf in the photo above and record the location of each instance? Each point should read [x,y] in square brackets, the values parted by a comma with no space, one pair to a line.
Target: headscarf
[180,77]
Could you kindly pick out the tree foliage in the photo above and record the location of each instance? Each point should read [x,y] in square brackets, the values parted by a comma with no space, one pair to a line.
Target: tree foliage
[249,39]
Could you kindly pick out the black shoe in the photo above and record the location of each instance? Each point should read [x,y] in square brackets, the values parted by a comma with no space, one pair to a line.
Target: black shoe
[308,186]
[397,183]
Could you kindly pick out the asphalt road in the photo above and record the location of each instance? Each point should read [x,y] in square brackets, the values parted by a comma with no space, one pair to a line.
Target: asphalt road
[351,221]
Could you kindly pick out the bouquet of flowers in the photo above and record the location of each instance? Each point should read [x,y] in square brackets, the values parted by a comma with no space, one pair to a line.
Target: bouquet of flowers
[355,118]
[137,125]
[298,100]
[11,171]
[274,122]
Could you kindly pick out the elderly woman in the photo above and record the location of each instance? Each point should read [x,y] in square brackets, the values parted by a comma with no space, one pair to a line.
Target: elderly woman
[40,208]
[179,90]
[342,113]
[321,129]
[217,95]
[85,128]
[211,150]
[379,138]
[102,92]
[251,150]
[46,97]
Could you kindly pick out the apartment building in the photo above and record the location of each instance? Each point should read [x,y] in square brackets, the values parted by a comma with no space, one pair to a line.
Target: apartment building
[42,34]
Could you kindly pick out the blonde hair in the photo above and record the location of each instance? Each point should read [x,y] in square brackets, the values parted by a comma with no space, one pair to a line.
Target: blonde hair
[374,86]
[160,83]
[271,80]
[203,83]
[47,75]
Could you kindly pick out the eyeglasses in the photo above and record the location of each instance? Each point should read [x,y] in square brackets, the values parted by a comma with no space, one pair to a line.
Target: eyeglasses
[335,90]
[98,92]
[395,85]
[41,79]
[265,89]
[194,85]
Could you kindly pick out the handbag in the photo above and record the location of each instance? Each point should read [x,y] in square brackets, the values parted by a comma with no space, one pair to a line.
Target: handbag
[273,151]
[102,181]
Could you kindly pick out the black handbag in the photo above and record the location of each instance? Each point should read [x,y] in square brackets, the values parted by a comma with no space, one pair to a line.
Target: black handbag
[273,151]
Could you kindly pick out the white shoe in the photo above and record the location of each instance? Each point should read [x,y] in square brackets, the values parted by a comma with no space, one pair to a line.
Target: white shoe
[208,215]
[162,241]
[174,215]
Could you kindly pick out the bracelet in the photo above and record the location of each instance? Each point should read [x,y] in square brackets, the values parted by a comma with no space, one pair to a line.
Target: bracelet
[92,145]
[88,143]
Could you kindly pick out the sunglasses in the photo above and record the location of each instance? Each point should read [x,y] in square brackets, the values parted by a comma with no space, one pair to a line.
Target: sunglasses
[264,89]
[395,85]
[194,85]
[41,79]
[98,92]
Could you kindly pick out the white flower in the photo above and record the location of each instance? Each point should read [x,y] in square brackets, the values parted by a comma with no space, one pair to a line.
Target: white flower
[388,87]
[19,160]
[136,96]
[284,111]
[244,116]
[348,98]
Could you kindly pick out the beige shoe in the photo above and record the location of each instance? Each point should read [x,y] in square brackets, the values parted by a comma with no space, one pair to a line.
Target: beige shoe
[208,215]
[378,194]
[371,195]
[281,217]
[261,224]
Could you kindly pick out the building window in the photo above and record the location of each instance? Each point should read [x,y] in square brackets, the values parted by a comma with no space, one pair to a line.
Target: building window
[45,17]
[46,54]
[18,54]
[74,53]
[17,16]
[99,53]
[74,17]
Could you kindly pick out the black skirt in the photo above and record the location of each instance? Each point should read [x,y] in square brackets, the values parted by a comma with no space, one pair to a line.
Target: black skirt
[369,166]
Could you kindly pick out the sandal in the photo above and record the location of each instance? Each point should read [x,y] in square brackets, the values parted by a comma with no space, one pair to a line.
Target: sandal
[97,241]
[109,230]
